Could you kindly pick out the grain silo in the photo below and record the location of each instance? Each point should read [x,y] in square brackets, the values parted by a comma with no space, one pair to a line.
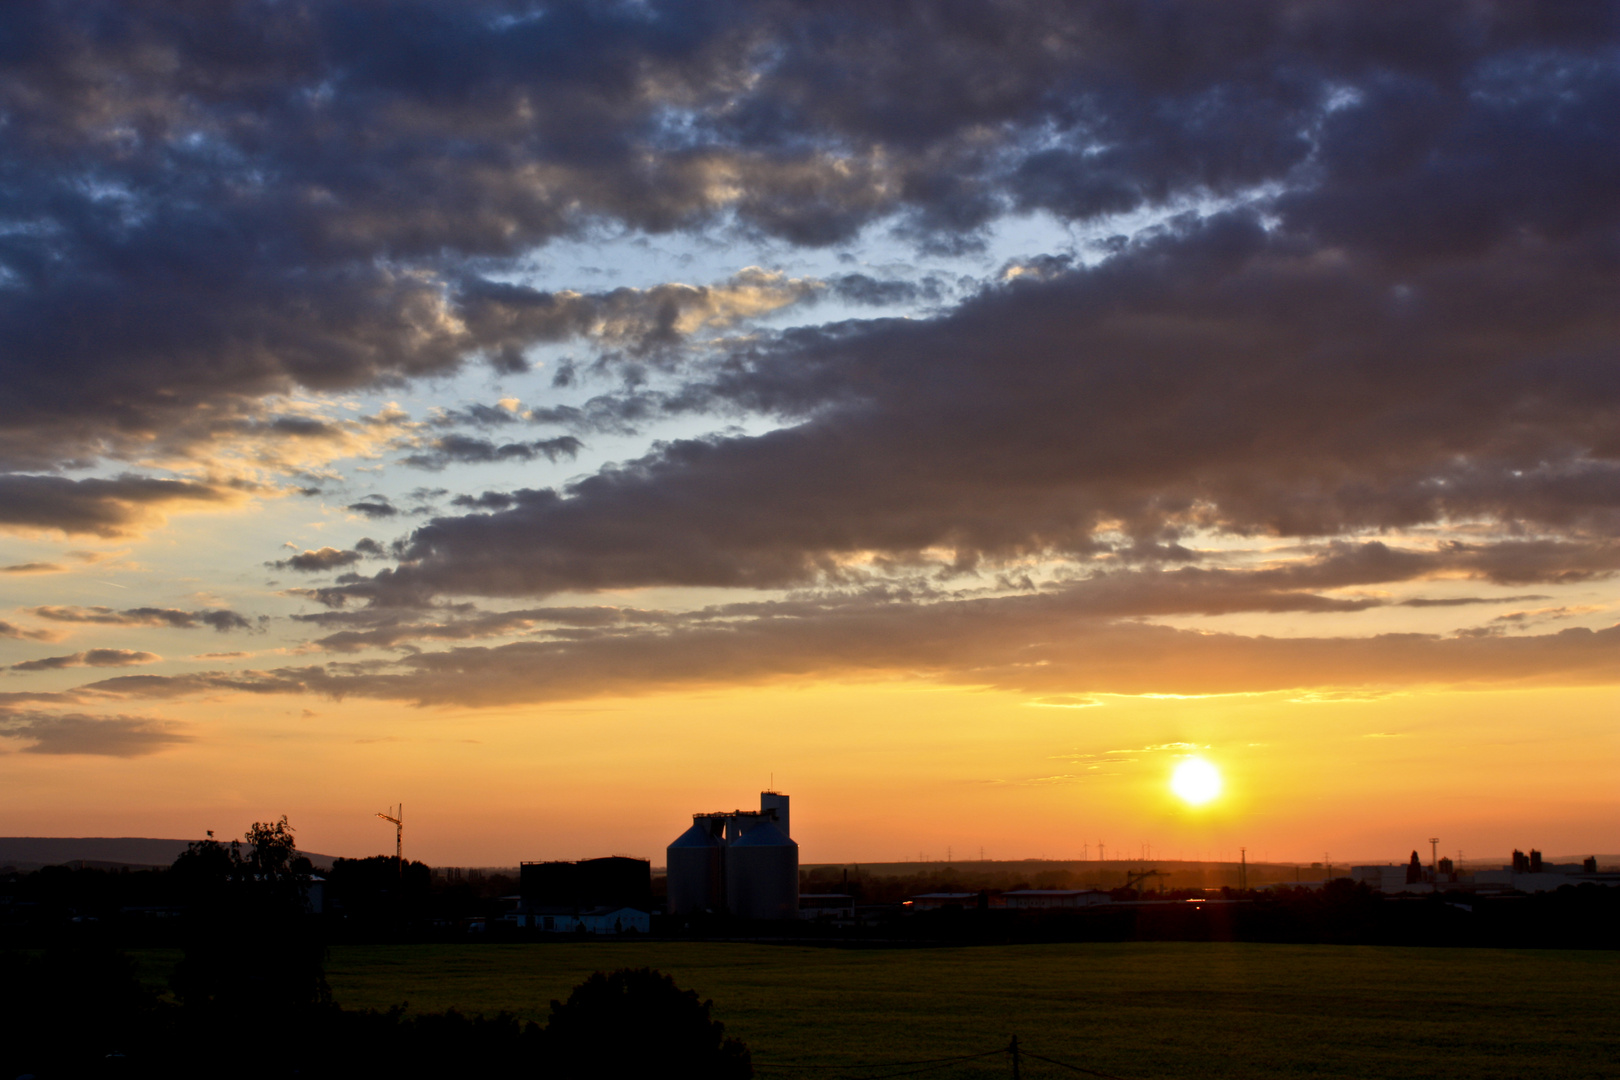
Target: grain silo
[695,864]
[762,874]
[741,861]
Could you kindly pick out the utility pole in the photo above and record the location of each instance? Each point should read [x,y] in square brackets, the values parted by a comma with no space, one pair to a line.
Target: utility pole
[1013,1049]
[1243,868]
[399,836]
[1434,860]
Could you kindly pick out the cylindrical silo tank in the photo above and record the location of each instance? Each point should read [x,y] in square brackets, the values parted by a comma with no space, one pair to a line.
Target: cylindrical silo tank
[762,874]
[696,869]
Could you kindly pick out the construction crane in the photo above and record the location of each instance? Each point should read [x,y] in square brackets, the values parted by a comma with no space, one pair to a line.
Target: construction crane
[397,817]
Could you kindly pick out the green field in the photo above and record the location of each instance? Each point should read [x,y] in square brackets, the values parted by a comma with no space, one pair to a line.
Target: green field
[1137,1011]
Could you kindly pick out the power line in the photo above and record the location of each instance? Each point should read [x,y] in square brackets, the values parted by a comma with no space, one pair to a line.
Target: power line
[1066,1065]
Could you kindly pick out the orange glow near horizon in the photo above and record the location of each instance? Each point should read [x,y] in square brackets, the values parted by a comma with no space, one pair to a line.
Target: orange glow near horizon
[878,772]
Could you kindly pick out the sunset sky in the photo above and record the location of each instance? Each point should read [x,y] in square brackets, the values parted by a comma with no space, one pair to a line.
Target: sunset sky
[566,417]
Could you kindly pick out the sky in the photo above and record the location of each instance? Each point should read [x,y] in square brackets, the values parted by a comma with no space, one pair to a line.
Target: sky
[562,418]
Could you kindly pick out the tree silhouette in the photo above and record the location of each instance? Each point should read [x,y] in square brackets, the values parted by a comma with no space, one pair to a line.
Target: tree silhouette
[636,1023]
[251,955]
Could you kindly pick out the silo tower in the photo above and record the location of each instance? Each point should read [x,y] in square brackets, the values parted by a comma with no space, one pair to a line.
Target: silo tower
[775,800]
[740,861]
[695,863]
[762,873]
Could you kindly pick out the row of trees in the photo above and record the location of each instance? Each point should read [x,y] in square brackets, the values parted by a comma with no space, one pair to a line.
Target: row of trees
[249,998]
[362,897]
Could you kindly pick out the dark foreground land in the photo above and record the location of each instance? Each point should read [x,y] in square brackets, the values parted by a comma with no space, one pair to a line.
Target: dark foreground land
[1133,1010]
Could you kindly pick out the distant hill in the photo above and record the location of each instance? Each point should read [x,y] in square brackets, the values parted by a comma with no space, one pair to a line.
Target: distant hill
[33,852]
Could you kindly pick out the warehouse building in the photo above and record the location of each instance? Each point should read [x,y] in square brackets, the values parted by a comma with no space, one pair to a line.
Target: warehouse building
[595,896]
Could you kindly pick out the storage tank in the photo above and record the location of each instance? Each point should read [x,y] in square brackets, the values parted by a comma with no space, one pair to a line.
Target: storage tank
[775,800]
[762,874]
[695,865]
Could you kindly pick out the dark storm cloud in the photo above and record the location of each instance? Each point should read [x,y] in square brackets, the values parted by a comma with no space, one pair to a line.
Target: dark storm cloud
[89,658]
[98,507]
[219,619]
[217,202]
[77,733]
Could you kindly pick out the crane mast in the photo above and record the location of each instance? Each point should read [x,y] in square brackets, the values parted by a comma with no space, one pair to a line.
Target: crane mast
[397,817]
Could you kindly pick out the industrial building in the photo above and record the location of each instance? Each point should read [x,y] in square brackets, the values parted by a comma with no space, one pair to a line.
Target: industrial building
[598,896]
[826,906]
[1526,873]
[740,862]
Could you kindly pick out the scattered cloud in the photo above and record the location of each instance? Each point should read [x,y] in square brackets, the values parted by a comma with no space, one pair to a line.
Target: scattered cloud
[374,506]
[318,561]
[89,658]
[465,450]
[107,508]
[220,619]
[77,733]
[24,633]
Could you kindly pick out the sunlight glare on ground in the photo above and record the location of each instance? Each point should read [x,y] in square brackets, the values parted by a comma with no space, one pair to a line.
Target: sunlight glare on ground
[1196,781]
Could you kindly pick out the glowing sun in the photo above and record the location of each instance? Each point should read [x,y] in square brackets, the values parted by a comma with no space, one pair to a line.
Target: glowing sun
[1196,781]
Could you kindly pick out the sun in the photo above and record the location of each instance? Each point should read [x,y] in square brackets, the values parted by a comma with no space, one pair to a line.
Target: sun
[1196,781]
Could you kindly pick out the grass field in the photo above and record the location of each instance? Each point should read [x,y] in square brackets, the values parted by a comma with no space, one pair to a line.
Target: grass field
[1138,1011]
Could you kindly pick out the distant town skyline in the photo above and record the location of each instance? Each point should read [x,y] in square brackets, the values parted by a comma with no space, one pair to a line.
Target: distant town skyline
[561,417]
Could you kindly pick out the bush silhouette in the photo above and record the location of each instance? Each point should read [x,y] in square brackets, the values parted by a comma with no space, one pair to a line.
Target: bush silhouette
[635,1022]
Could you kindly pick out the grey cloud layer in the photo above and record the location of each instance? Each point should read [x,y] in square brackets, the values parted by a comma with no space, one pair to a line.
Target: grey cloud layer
[1403,317]
[1035,644]
[258,195]
[1221,376]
